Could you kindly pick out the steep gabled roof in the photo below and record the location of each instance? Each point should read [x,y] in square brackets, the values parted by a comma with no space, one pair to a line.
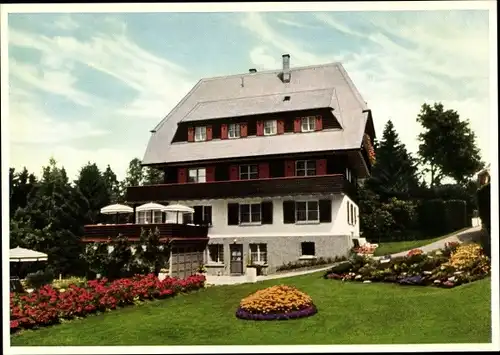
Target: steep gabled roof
[237,95]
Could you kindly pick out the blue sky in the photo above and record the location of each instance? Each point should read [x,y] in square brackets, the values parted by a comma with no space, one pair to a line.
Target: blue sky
[90,87]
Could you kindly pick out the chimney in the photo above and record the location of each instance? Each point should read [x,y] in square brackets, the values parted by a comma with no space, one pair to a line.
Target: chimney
[286,68]
[252,70]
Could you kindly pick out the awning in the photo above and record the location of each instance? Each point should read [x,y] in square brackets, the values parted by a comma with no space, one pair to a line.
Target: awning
[22,255]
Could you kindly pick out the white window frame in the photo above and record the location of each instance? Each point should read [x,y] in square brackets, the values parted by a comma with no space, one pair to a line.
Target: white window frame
[308,124]
[233,131]
[245,172]
[219,251]
[260,250]
[144,217]
[307,210]
[270,127]
[309,165]
[199,178]
[304,256]
[200,133]
[251,213]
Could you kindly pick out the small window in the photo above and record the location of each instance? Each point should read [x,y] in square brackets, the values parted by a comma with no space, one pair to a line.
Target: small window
[197,175]
[234,130]
[258,253]
[305,168]
[270,127]
[142,217]
[248,172]
[348,212]
[147,217]
[352,214]
[216,253]
[308,124]
[286,98]
[307,211]
[250,213]
[308,249]
[200,134]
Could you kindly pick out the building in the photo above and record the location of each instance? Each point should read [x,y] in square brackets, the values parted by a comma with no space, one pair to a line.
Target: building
[269,161]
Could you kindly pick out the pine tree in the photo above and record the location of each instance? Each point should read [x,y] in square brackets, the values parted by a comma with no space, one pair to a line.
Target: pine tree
[112,185]
[92,185]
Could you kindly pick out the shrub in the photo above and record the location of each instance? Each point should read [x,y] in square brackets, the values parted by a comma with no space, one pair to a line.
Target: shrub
[276,302]
[40,278]
[455,215]
[66,283]
[431,216]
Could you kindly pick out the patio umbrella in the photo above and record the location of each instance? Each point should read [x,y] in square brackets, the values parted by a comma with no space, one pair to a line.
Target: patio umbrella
[116,209]
[22,255]
[151,206]
[178,209]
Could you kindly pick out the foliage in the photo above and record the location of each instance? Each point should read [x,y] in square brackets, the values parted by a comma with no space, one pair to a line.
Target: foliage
[292,265]
[66,283]
[21,186]
[448,145]
[455,215]
[153,176]
[432,216]
[50,306]
[467,256]
[152,253]
[39,278]
[112,185]
[415,252]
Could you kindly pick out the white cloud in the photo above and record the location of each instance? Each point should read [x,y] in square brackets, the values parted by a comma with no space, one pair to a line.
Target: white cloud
[261,57]
[66,23]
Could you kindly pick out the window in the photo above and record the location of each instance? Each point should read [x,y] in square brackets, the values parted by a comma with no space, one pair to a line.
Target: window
[307,211]
[308,124]
[141,217]
[147,217]
[197,175]
[200,134]
[248,172]
[216,253]
[270,127]
[250,213]
[258,253]
[308,249]
[352,211]
[305,167]
[352,214]
[355,215]
[234,130]
[202,215]
[348,175]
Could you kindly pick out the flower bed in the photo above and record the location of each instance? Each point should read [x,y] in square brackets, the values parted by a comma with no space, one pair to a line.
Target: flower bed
[47,305]
[452,266]
[276,303]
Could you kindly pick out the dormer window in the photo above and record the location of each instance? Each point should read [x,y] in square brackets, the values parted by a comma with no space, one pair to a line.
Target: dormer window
[270,127]
[200,134]
[308,124]
[234,131]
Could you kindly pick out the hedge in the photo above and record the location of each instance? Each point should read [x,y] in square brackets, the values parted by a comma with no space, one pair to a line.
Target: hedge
[456,215]
[432,217]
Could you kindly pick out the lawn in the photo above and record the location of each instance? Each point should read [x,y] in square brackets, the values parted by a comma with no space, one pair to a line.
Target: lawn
[348,313]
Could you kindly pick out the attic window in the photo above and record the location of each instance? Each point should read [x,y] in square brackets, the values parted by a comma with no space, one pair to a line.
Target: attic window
[286,98]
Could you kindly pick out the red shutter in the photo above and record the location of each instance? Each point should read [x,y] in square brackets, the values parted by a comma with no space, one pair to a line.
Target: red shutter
[289,168]
[243,129]
[281,126]
[191,134]
[210,173]
[260,128]
[181,175]
[223,131]
[263,170]
[234,173]
[321,167]
[296,125]
[209,133]
[319,123]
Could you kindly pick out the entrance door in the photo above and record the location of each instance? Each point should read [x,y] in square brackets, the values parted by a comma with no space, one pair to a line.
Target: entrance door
[236,266]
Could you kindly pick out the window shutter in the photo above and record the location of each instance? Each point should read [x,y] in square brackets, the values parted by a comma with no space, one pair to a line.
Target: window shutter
[210,173]
[288,212]
[209,133]
[234,173]
[296,125]
[267,212]
[281,127]
[319,123]
[263,170]
[198,217]
[243,129]
[321,167]
[233,214]
[325,211]
[181,175]
[190,134]
[223,131]
[260,128]
[289,168]
[208,212]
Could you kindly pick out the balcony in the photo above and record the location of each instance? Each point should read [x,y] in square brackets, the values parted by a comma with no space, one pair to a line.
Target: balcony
[282,186]
[133,231]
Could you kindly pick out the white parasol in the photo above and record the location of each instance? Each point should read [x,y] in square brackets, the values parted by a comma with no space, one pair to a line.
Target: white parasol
[23,255]
[178,209]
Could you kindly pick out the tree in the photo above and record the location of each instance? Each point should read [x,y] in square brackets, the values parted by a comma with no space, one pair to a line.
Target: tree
[447,145]
[135,173]
[153,176]
[395,171]
[20,184]
[152,252]
[113,186]
[91,184]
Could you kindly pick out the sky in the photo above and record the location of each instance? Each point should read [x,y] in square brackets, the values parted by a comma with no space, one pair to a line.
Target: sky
[89,87]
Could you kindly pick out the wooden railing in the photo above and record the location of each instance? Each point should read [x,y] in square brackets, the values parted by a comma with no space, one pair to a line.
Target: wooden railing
[134,230]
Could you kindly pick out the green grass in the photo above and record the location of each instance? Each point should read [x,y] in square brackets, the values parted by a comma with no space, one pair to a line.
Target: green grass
[396,247]
[348,313]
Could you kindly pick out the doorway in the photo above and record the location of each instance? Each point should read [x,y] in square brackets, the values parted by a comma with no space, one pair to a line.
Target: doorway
[236,266]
